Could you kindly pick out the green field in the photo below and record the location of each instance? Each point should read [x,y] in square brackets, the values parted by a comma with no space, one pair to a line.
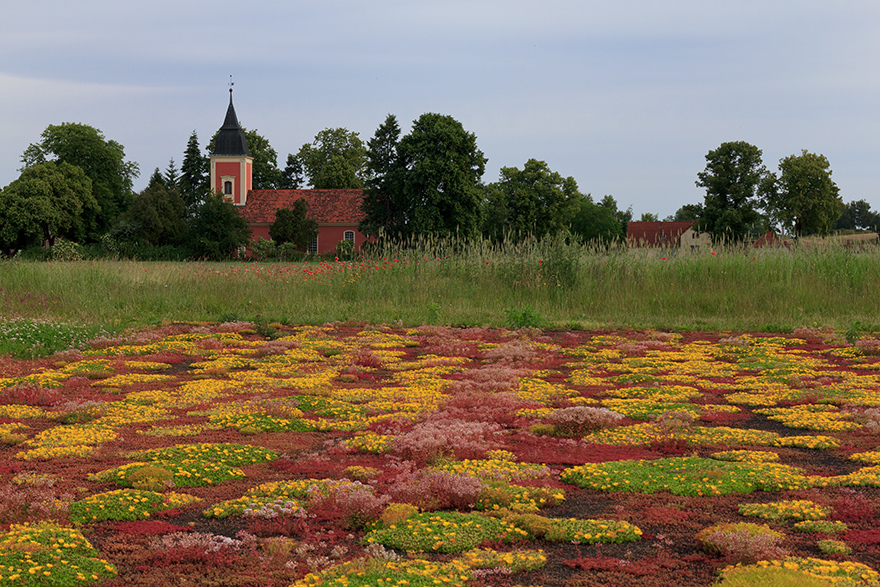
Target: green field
[550,285]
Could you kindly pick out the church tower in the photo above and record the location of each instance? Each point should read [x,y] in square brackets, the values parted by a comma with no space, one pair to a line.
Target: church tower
[231,163]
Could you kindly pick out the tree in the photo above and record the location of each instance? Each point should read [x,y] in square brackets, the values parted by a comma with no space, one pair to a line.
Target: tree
[102,161]
[217,230]
[532,201]
[292,175]
[265,174]
[157,214]
[334,160]
[649,217]
[858,215]
[172,176]
[803,198]
[732,178]
[292,226]
[440,171]
[688,212]
[383,207]
[194,174]
[49,200]
[597,222]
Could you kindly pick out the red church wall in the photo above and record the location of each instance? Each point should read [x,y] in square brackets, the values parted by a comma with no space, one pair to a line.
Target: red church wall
[328,236]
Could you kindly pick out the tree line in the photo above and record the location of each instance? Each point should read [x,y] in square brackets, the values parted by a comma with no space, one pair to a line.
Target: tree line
[76,185]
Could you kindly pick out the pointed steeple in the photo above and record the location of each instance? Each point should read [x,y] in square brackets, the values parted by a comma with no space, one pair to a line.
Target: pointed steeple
[231,139]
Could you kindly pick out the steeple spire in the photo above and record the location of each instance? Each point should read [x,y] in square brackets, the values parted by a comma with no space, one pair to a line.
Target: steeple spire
[231,139]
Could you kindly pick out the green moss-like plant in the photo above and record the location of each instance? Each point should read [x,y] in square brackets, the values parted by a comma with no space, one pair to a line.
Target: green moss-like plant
[691,476]
[756,576]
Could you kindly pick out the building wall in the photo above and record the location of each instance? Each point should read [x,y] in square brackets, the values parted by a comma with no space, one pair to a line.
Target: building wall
[237,168]
[328,235]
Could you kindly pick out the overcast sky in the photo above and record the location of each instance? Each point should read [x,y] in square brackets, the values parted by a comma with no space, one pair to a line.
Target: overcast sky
[626,96]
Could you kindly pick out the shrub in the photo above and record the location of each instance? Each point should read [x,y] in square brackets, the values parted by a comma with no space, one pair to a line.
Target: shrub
[359,505]
[397,512]
[742,542]
[429,441]
[581,420]
[433,490]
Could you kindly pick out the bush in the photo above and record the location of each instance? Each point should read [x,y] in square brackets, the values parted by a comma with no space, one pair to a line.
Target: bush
[434,490]
[65,250]
[742,542]
[429,441]
[581,420]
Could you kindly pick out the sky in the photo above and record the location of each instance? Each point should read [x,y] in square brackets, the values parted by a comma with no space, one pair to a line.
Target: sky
[626,96]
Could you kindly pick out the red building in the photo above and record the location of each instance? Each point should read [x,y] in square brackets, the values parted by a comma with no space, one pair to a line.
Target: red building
[337,212]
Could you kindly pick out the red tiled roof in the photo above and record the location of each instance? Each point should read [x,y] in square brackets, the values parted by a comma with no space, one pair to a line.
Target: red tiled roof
[656,234]
[325,206]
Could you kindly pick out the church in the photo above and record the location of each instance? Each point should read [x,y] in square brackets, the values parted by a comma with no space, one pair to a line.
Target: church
[337,212]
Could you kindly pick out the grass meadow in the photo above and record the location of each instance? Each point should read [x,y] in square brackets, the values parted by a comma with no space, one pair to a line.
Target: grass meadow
[552,285]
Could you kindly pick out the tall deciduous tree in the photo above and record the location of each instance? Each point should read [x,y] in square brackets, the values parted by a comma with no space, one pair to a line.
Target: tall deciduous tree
[292,175]
[292,226]
[49,200]
[594,222]
[102,161]
[733,175]
[532,201]
[194,173]
[858,215]
[441,171]
[334,160]
[803,198]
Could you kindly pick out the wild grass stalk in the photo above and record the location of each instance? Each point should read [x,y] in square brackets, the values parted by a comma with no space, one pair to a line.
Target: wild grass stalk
[562,285]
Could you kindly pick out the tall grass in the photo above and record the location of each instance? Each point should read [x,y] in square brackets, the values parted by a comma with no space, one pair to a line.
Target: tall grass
[553,283]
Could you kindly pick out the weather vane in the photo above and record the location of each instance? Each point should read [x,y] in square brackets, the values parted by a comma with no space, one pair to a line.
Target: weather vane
[231,83]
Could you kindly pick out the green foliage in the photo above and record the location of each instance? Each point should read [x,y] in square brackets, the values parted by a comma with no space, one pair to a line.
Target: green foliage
[822,526]
[734,172]
[217,230]
[599,223]
[186,473]
[427,183]
[119,504]
[151,478]
[30,556]
[194,174]
[685,476]
[442,532]
[293,226]
[65,250]
[157,215]
[32,339]
[48,201]
[758,576]
[102,161]
[529,202]
[263,249]
[384,210]
[834,547]
[858,215]
[227,453]
[525,318]
[334,160]
[803,199]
